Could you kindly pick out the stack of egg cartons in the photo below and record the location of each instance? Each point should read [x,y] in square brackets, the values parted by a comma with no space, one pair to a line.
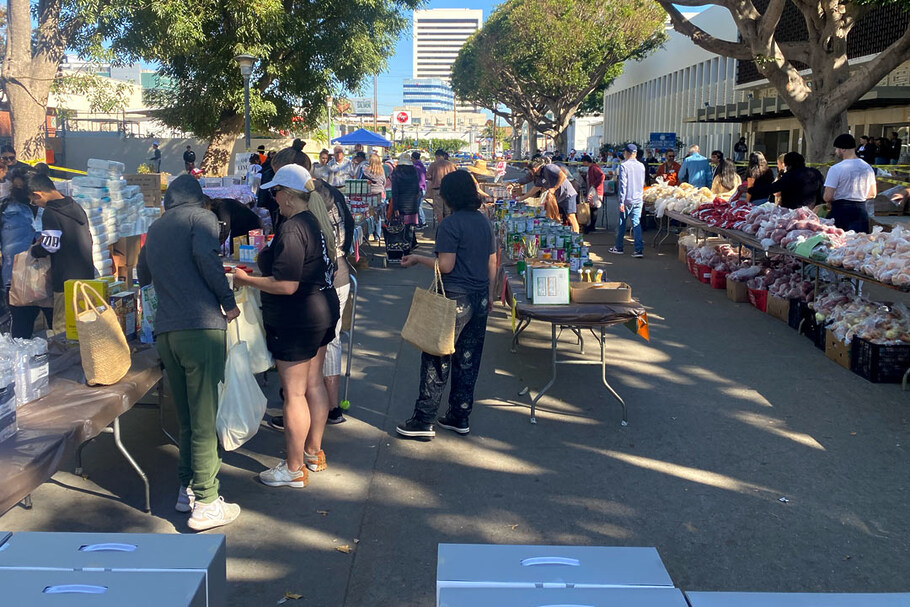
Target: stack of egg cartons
[100,193]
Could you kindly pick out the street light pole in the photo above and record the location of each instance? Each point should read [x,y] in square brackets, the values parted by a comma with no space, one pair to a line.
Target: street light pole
[246,70]
[328,124]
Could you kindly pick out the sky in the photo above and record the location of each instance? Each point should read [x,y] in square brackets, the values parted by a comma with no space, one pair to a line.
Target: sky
[399,66]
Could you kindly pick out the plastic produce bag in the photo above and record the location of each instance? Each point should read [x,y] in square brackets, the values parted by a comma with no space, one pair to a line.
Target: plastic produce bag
[31,284]
[250,329]
[241,403]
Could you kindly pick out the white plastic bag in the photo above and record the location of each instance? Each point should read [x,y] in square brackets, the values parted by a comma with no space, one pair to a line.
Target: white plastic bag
[251,330]
[241,403]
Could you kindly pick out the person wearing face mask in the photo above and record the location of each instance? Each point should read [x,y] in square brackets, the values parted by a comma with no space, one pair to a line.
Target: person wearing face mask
[17,233]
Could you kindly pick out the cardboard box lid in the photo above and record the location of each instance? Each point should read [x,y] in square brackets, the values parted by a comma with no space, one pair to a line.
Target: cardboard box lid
[114,551]
[37,588]
[531,565]
[535,597]
[795,599]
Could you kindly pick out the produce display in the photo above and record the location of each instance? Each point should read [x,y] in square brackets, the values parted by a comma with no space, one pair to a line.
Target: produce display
[774,225]
[883,255]
[684,198]
[783,278]
[723,257]
[722,213]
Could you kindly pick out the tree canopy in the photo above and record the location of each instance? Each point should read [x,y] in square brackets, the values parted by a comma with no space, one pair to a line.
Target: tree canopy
[305,52]
[542,58]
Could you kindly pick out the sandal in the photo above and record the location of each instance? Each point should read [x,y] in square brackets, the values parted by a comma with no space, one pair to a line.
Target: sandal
[315,463]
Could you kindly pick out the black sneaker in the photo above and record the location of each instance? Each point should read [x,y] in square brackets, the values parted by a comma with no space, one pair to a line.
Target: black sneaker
[277,422]
[336,416]
[454,424]
[415,429]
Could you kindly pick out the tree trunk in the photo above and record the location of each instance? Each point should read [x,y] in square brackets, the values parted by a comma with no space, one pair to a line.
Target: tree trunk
[27,80]
[820,132]
[217,159]
[561,141]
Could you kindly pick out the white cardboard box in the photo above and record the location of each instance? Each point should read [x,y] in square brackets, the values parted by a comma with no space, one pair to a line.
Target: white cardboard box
[122,552]
[535,597]
[796,599]
[40,588]
[493,566]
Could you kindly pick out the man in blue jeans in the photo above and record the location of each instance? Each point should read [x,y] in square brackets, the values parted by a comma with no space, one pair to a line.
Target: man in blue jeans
[631,186]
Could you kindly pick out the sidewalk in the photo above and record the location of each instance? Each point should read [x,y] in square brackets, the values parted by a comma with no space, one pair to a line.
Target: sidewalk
[729,411]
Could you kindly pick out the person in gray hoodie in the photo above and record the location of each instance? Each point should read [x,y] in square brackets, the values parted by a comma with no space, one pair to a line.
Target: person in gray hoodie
[195,303]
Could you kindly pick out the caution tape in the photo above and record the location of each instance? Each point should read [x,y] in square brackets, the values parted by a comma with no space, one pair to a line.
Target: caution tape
[56,168]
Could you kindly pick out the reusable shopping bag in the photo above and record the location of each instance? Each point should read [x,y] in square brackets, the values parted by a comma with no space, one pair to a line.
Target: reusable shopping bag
[250,329]
[241,403]
[31,284]
[431,321]
[102,344]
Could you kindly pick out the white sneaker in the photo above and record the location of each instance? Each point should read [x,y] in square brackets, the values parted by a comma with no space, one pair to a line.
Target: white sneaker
[215,514]
[281,476]
[615,251]
[185,500]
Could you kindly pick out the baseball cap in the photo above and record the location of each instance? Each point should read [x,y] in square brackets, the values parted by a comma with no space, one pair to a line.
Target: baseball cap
[261,148]
[291,176]
[845,142]
[631,148]
[155,142]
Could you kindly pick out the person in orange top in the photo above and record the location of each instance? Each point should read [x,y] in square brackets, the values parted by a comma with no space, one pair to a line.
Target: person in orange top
[669,170]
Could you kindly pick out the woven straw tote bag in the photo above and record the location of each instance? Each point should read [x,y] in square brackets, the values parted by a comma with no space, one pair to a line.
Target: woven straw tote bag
[431,321]
[102,344]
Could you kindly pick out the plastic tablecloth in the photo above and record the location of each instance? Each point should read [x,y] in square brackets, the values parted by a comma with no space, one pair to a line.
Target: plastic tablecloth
[69,415]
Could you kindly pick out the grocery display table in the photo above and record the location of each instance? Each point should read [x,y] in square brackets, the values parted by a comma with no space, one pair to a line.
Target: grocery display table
[576,317]
[68,417]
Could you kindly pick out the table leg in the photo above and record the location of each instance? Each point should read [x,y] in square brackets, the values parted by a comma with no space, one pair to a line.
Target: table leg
[552,378]
[78,470]
[27,502]
[660,228]
[522,325]
[581,341]
[603,375]
[164,430]
[115,430]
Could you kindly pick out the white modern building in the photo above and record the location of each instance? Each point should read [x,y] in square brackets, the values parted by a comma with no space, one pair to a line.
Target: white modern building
[432,94]
[661,93]
[438,36]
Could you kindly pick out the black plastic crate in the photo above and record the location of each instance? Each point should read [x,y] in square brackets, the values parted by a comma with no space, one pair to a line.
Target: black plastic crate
[878,363]
[815,332]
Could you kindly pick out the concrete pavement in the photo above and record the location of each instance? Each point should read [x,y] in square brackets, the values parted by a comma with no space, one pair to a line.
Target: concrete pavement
[729,411]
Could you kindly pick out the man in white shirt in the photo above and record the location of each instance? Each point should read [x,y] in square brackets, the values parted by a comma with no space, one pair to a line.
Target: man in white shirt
[631,188]
[339,168]
[848,185]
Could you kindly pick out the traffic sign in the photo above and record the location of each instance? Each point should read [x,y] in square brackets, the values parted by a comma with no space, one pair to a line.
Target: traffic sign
[402,117]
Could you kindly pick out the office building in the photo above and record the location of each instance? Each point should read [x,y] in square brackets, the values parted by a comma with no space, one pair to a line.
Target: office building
[438,36]
[432,94]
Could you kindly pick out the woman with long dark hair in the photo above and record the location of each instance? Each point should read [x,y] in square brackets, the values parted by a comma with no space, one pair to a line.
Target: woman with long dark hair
[759,178]
[466,254]
[726,179]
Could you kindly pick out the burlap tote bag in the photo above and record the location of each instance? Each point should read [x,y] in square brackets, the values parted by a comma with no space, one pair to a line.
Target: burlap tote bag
[431,322]
[102,345]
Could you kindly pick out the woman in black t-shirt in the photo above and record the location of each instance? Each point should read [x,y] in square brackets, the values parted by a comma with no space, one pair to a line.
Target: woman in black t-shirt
[300,311]
[759,178]
[799,186]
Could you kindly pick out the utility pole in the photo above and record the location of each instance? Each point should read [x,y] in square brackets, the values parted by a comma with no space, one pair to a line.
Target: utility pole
[493,152]
[375,107]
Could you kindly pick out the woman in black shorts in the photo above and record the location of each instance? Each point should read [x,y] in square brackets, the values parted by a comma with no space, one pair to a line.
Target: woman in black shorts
[300,311]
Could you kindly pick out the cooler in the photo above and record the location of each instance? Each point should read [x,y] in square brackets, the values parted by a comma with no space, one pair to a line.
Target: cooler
[795,599]
[122,552]
[493,566]
[576,597]
[49,588]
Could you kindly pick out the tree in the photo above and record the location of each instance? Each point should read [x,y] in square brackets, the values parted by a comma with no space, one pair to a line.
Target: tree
[820,100]
[449,145]
[542,58]
[30,65]
[306,51]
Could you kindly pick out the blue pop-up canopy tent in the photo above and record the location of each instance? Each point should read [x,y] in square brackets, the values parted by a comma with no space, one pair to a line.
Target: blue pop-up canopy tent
[363,137]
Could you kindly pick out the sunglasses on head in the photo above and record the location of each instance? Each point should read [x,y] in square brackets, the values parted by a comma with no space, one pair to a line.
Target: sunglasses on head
[5,157]
[276,189]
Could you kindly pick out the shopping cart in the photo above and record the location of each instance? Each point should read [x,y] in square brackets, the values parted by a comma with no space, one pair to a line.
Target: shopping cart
[398,238]
[347,328]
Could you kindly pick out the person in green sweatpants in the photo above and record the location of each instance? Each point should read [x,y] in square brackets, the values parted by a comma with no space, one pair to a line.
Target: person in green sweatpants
[194,362]
[195,303]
